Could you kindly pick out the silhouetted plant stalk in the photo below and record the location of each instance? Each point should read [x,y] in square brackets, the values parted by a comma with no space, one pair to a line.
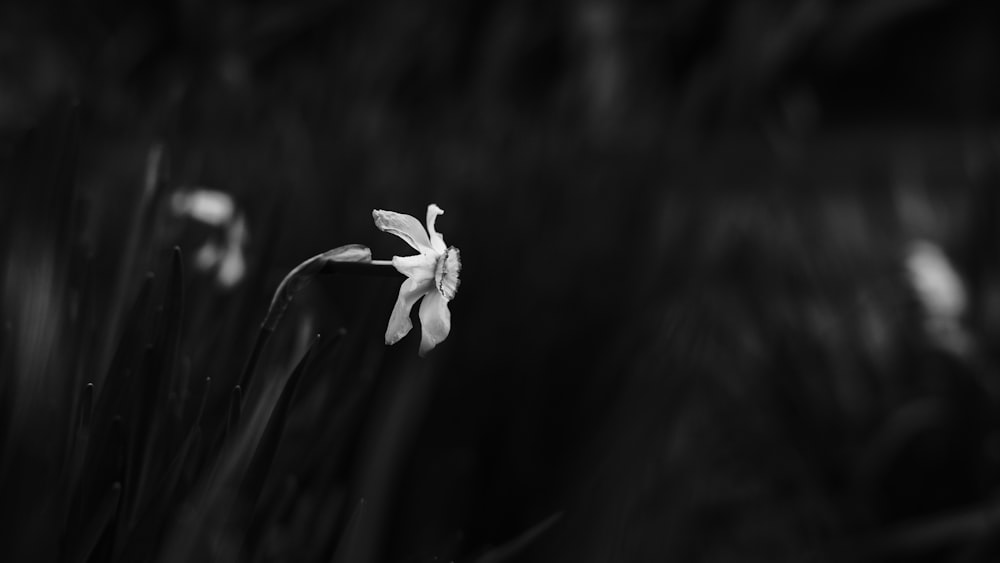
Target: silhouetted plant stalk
[126,473]
[136,241]
[348,259]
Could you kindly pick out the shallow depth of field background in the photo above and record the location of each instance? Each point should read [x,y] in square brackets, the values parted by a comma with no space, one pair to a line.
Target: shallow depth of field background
[684,330]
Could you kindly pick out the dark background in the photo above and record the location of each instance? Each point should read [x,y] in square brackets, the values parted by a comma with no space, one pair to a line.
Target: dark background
[684,324]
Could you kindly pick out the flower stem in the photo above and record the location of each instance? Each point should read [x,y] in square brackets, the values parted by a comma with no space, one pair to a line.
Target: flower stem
[349,259]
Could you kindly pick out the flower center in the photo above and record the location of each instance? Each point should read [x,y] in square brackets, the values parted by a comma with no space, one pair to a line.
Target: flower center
[446,272]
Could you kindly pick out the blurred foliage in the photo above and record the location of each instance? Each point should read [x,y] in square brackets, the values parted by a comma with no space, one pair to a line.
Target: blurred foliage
[684,329]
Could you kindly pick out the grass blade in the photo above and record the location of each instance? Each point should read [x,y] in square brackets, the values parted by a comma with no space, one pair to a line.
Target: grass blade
[345,546]
[260,464]
[514,546]
[235,410]
[135,238]
[153,386]
[100,521]
[157,511]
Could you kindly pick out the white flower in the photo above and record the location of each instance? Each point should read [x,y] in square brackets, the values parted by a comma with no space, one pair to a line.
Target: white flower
[432,275]
[941,292]
[938,286]
[218,210]
[211,207]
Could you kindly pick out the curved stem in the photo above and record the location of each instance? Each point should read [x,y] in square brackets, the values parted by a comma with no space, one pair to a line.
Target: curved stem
[349,259]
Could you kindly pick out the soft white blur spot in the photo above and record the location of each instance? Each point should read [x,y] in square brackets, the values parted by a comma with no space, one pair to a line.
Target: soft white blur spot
[208,256]
[938,285]
[941,292]
[226,259]
[233,265]
[208,206]
[223,258]
[232,269]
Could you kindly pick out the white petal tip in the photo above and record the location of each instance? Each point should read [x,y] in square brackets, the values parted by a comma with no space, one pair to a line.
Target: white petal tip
[403,226]
[382,218]
[397,335]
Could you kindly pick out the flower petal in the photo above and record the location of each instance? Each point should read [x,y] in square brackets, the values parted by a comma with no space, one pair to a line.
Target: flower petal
[211,207]
[437,241]
[346,253]
[418,267]
[435,321]
[403,226]
[399,320]
[233,267]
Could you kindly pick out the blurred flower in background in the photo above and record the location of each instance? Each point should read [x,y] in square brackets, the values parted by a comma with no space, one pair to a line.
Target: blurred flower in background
[211,207]
[223,253]
[941,293]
